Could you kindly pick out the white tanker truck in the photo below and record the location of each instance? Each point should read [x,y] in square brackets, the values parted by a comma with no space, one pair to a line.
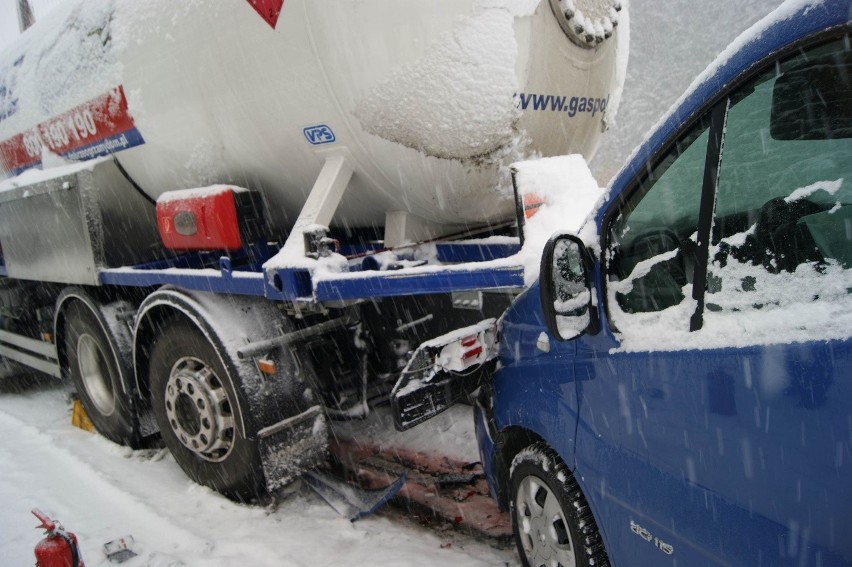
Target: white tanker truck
[227,221]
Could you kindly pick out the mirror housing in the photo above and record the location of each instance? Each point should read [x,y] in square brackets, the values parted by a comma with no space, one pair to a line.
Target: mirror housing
[566,290]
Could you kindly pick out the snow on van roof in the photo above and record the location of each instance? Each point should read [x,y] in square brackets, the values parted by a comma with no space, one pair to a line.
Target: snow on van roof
[788,11]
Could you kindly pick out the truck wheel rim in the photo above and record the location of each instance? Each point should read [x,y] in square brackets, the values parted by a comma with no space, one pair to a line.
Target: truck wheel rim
[94,373]
[199,410]
[542,526]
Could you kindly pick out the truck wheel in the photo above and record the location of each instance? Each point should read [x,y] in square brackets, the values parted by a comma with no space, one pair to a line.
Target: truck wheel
[551,518]
[93,363]
[196,407]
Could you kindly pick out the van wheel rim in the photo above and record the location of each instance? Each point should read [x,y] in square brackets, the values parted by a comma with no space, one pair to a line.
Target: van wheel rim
[542,525]
[94,374]
[199,410]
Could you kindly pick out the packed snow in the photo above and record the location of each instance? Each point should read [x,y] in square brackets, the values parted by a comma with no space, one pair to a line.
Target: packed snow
[420,105]
[33,176]
[198,193]
[87,41]
[568,193]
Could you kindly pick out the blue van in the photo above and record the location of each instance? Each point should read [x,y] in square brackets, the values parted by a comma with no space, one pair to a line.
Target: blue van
[677,387]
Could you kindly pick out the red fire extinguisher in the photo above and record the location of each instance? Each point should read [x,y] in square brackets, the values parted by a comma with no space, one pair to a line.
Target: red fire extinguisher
[58,548]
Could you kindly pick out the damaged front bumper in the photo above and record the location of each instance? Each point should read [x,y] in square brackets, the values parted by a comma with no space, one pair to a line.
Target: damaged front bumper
[442,372]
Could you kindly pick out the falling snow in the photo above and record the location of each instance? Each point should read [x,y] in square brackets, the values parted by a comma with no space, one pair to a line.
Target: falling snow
[102,491]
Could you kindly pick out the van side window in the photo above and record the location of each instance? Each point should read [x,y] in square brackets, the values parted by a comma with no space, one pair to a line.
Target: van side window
[651,241]
[780,245]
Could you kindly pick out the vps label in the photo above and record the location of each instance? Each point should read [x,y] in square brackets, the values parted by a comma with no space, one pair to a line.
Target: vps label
[319,134]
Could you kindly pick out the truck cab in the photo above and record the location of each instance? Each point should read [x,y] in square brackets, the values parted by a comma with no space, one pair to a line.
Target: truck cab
[676,389]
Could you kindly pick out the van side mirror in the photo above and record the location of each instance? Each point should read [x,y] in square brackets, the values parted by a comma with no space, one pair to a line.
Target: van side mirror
[566,291]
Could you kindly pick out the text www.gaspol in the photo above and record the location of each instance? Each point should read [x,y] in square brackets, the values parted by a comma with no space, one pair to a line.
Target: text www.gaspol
[572,105]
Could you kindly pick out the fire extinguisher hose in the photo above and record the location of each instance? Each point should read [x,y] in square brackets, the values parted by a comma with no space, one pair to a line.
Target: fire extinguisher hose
[72,545]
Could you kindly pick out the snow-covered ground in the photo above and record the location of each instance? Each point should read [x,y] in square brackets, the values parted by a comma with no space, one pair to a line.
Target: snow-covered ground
[102,491]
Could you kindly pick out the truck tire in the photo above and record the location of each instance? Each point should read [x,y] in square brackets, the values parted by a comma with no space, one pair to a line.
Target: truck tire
[550,516]
[94,364]
[197,407]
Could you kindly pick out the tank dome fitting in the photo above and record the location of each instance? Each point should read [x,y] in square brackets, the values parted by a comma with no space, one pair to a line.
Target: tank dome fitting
[587,23]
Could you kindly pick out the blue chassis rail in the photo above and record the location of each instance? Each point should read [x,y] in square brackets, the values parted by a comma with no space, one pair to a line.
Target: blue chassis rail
[476,273]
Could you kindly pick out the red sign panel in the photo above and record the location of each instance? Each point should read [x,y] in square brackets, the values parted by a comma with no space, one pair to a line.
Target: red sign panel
[269,10]
[84,131]
[98,127]
[18,154]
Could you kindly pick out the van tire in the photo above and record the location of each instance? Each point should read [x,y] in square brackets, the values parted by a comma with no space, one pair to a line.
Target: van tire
[541,486]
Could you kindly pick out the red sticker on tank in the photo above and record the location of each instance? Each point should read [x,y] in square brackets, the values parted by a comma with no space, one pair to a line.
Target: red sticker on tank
[95,128]
[98,127]
[269,10]
[20,152]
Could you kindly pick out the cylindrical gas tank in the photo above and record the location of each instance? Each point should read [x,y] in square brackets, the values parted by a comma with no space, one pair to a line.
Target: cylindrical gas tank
[430,101]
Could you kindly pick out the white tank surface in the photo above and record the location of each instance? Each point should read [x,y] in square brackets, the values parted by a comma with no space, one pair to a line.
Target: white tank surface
[428,100]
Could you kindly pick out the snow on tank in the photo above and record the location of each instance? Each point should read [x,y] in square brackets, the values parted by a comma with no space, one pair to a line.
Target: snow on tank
[428,101]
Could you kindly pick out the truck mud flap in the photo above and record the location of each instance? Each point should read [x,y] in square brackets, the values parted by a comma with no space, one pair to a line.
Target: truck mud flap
[443,372]
[292,446]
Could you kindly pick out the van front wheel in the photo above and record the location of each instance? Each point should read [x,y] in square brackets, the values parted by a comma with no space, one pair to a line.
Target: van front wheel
[550,516]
